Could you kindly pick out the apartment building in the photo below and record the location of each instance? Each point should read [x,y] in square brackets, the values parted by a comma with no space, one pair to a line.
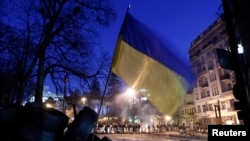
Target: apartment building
[187,112]
[213,96]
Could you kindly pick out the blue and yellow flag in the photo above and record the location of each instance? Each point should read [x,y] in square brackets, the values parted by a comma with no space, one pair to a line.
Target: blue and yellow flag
[144,62]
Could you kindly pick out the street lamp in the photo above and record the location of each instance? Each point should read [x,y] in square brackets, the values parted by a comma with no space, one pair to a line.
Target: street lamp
[48,105]
[131,93]
[83,100]
[167,118]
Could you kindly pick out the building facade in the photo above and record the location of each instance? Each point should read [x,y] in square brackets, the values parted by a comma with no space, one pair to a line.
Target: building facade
[213,96]
[187,114]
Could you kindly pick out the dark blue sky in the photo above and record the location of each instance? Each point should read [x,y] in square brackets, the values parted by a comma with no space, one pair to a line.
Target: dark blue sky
[177,21]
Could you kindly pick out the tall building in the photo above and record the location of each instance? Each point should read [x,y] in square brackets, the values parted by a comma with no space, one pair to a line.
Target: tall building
[213,96]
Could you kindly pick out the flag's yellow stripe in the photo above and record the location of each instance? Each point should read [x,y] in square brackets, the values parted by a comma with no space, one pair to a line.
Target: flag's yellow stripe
[166,89]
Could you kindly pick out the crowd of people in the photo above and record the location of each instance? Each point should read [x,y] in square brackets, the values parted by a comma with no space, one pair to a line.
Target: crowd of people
[136,128]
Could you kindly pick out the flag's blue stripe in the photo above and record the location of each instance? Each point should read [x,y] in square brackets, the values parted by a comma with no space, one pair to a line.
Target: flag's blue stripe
[144,40]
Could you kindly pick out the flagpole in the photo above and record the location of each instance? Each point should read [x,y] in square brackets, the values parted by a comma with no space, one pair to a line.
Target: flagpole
[106,84]
[99,110]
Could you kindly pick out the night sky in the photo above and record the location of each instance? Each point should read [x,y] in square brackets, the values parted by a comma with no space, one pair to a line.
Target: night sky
[179,22]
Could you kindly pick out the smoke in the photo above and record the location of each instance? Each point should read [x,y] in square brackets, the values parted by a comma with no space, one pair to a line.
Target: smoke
[122,103]
[144,111]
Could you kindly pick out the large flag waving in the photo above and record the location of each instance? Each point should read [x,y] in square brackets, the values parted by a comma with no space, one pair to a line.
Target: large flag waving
[144,62]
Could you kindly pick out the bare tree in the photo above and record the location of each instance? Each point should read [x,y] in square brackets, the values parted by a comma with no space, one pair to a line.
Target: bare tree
[62,35]
[13,57]
[115,85]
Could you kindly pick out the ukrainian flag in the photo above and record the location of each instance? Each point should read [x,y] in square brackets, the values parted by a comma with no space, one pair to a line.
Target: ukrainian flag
[144,62]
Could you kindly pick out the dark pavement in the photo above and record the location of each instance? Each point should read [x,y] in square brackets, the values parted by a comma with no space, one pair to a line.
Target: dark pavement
[164,136]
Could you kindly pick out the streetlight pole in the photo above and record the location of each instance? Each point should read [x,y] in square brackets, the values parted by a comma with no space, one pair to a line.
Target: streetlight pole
[64,92]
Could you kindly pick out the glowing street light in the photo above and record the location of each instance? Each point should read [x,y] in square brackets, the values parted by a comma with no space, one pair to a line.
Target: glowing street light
[48,105]
[84,99]
[168,118]
[131,93]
